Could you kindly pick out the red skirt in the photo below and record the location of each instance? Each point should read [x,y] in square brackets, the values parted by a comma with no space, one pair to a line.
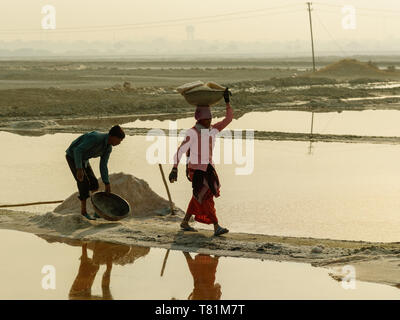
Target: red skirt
[203,212]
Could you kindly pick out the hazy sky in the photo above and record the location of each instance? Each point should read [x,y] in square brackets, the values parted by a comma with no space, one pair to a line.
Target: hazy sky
[237,20]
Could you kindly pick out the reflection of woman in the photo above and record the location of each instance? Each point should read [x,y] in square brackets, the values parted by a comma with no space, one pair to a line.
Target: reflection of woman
[103,253]
[203,268]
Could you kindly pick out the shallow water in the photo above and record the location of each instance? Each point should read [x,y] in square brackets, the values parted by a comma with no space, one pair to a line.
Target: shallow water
[370,86]
[371,98]
[109,271]
[368,122]
[340,191]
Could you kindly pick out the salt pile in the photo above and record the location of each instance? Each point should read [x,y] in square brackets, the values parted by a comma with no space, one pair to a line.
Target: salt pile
[143,201]
[63,224]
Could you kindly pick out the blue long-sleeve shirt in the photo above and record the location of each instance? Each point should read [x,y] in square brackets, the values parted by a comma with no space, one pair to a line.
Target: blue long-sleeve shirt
[91,145]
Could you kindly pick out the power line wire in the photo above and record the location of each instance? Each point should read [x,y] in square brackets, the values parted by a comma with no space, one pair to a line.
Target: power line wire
[330,35]
[358,8]
[162,22]
[155,26]
[386,16]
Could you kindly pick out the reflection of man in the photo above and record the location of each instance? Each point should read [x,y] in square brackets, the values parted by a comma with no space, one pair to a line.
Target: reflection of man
[203,268]
[82,286]
[103,253]
[92,145]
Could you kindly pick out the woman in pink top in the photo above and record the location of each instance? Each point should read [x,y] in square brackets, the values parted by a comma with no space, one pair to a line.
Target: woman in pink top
[198,146]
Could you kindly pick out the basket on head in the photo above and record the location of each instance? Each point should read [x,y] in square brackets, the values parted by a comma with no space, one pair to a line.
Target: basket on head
[200,94]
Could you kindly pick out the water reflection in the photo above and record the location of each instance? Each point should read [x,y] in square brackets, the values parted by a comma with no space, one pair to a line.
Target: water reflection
[103,254]
[356,122]
[310,148]
[203,269]
[82,286]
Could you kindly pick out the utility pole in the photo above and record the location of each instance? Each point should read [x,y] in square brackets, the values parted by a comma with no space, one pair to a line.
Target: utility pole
[313,61]
[312,39]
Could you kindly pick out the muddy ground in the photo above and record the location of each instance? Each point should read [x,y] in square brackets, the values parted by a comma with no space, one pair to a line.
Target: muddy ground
[40,97]
[164,232]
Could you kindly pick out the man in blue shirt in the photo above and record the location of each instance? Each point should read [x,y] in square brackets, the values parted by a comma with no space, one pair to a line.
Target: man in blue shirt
[92,145]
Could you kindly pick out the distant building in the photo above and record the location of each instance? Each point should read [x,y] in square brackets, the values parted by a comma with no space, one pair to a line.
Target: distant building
[190,33]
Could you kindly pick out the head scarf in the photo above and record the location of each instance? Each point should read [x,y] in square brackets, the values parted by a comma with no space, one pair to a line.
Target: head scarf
[202,112]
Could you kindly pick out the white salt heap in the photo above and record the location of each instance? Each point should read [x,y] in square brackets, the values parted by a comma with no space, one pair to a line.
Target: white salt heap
[143,201]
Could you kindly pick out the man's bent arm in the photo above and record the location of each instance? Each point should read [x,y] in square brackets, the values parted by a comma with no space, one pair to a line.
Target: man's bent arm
[103,167]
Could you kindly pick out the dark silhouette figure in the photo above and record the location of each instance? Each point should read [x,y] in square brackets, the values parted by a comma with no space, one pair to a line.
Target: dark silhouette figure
[203,269]
[103,253]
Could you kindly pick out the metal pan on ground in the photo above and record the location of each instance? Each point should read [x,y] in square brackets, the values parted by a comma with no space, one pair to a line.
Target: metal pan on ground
[110,206]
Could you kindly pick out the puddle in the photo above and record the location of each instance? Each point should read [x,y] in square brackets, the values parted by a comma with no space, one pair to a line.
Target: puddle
[378,85]
[368,122]
[367,86]
[98,270]
[371,98]
[340,191]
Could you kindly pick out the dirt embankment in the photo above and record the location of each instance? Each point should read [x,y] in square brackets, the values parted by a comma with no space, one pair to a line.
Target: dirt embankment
[52,103]
[350,68]
[375,262]
[152,225]
[345,85]
[110,91]
[163,232]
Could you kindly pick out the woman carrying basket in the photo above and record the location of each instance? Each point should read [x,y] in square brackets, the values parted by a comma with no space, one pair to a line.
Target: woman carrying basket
[198,144]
